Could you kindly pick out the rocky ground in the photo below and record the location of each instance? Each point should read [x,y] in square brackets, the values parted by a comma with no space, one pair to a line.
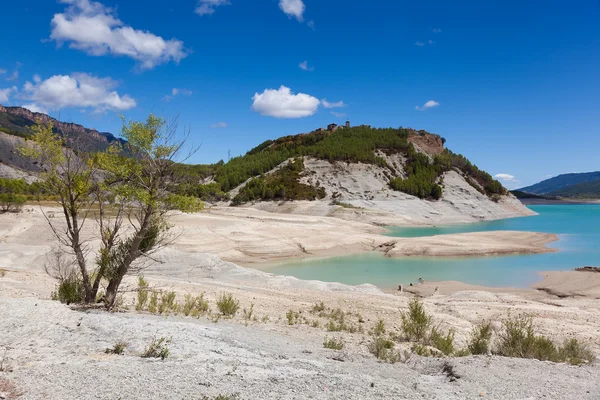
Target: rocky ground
[58,353]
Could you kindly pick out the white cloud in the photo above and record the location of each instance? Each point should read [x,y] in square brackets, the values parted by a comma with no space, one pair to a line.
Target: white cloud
[2,71]
[437,30]
[304,66]
[282,103]
[5,93]
[207,7]
[78,90]
[428,105]
[422,44]
[311,24]
[336,104]
[37,78]
[35,108]
[337,114]
[505,177]
[219,125]
[177,92]
[293,8]
[91,27]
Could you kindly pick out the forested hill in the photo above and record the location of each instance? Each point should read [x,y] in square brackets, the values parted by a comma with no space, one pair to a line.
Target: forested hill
[401,159]
[579,185]
[424,161]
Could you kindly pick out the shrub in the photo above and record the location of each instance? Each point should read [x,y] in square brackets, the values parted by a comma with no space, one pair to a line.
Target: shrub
[334,344]
[167,303]
[158,348]
[69,289]
[292,317]
[444,343]
[142,294]
[2,272]
[416,323]
[228,305]
[575,352]
[249,313]
[517,337]
[153,305]
[318,307]
[379,328]
[118,348]
[479,340]
[381,348]
[10,202]
[194,306]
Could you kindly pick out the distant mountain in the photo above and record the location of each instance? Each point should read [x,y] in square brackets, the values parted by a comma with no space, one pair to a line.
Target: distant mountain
[582,185]
[585,190]
[17,121]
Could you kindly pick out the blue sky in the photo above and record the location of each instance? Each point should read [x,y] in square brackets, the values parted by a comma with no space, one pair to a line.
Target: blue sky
[513,85]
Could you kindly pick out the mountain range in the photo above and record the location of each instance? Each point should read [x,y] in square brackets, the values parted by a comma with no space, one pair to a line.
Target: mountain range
[573,185]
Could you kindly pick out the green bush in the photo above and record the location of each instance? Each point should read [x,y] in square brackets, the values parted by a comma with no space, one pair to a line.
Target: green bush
[444,343]
[575,352]
[118,348]
[69,289]
[195,306]
[416,323]
[318,307]
[153,305]
[333,343]
[10,202]
[292,317]
[381,348]
[379,328]
[479,340]
[283,184]
[142,294]
[167,303]
[158,348]
[228,305]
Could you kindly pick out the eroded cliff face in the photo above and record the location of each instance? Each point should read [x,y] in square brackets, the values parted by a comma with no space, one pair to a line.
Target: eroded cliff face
[431,144]
[20,119]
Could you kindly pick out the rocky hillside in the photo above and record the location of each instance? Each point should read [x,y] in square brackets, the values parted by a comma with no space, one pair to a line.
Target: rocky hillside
[17,121]
[396,176]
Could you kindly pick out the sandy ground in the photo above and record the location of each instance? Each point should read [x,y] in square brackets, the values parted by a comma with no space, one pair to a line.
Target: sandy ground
[55,352]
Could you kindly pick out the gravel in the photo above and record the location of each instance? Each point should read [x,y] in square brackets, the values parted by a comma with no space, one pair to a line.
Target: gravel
[58,353]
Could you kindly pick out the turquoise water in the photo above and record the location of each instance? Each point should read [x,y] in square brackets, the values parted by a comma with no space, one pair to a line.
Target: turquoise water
[578,227]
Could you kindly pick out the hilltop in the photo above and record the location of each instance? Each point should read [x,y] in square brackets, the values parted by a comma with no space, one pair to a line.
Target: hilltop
[574,185]
[383,175]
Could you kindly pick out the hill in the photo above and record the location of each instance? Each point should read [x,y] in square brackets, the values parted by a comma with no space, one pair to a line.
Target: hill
[567,185]
[584,190]
[387,173]
[17,121]
[384,175]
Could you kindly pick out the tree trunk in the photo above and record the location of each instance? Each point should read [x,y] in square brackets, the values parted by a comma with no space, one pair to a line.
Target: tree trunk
[130,257]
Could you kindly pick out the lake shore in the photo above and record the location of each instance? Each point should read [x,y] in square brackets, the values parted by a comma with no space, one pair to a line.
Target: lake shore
[263,356]
[260,239]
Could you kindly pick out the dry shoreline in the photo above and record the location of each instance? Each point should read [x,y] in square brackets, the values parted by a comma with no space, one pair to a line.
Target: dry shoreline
[251,237]
[266,357]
